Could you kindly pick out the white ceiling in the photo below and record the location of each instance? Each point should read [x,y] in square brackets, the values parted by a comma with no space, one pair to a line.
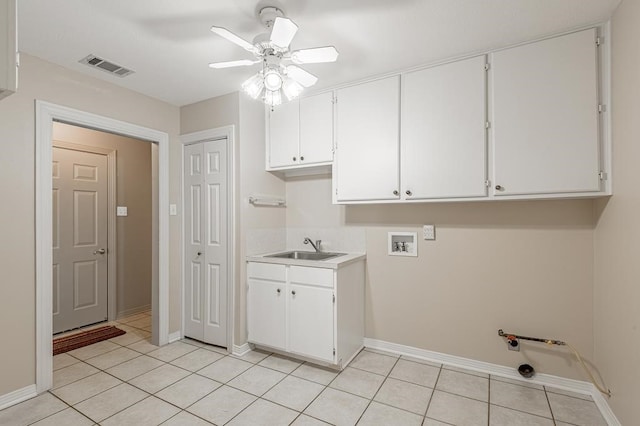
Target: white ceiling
[169,46]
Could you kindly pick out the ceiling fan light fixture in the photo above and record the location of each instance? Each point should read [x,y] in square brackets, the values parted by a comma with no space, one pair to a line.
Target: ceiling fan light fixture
[291,89]
[272,98]
[272,80]
[254,85]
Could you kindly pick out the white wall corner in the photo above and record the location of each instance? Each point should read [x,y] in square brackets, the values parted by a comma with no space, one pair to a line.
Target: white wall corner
[577,386]
[175,336]
[240,350]
[17,396]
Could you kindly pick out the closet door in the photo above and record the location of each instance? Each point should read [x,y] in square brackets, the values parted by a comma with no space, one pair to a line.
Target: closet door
[206,241]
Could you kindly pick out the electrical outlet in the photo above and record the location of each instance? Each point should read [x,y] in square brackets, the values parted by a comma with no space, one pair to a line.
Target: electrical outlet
[121,211]
[429,232]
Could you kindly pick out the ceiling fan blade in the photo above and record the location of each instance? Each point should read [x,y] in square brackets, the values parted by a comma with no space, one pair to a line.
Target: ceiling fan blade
[223,32]
[315,55]
[303,77]
[230,64]
[283,31]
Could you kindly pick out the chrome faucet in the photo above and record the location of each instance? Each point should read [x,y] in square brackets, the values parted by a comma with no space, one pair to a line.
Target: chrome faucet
[316,246]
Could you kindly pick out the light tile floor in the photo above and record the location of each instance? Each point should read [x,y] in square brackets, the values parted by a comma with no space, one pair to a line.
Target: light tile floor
[128,381]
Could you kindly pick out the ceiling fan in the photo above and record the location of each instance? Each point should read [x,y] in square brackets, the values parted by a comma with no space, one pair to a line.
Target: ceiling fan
[280,73]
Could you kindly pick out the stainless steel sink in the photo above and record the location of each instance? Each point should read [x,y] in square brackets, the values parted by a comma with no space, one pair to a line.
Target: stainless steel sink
[305,255]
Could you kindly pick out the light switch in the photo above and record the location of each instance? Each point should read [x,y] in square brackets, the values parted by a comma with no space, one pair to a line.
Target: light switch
[429,232]
[173,210]
[121,211]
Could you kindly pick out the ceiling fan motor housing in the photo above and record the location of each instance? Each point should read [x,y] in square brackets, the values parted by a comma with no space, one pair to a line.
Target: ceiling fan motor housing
[269,14]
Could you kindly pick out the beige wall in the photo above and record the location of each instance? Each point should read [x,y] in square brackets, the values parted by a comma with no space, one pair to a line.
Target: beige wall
[48,82]
[617,235]
[134,232]
[522,266]
[247,116]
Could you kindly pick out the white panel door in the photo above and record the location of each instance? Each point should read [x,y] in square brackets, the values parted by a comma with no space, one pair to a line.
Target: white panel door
[443,131]
[545,116]
[79,239]
[194,240]
[316,129]
[367,147]
[311,324]
[205,209]
[284,134]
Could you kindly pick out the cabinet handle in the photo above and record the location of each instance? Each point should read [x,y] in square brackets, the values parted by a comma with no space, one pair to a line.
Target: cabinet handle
[395,192]
[408,192]
[294,158]
[499,188]
[301,158]
[293,292]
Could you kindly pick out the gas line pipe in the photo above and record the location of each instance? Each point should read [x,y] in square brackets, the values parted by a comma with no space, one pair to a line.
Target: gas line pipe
[513,338]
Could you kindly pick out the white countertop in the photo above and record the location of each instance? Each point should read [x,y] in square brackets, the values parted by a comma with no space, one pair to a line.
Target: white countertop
[331,263]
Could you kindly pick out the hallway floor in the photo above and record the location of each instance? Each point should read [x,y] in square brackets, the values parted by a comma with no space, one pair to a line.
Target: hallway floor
[128,381]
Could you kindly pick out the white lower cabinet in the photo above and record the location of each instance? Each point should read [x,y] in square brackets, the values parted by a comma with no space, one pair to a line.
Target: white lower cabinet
[313,313]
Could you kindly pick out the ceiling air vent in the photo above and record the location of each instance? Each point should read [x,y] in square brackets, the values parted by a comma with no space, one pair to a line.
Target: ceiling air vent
[106,66]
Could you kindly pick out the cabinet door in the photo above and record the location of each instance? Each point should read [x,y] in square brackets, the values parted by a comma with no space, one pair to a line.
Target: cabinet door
[316,128]
[284,134]
[545,116]
[367,149]
[266,311]
[311,321]
[443,131]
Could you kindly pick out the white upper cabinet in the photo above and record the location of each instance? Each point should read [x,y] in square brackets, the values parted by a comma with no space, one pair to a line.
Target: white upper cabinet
[284,135]
[366,165]
[443,140]
[8,48]
[544,99]
[301,133]
[316,129]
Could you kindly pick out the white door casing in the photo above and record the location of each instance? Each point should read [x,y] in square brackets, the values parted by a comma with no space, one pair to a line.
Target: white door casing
[206,245]
[80,194]
[46,114]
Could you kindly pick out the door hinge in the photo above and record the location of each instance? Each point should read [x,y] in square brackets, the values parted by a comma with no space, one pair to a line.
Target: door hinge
[602,108]
[334,351]
[487,125]
[334,298]
[487,66]
[487,183]
[336,191]
[599,41]
[334,100]
[602,175]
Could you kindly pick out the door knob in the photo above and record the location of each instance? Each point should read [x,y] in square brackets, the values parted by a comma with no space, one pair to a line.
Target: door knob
[99,251]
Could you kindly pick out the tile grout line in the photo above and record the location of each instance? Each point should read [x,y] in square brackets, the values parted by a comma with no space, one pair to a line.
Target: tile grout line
[378,390]
[553,417]
[435,385]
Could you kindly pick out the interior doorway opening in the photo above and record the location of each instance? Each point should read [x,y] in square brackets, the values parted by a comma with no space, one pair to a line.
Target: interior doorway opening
[46,115]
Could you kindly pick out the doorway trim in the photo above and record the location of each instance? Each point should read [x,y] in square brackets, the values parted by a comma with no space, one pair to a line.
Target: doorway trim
[228,133]
[46,114]
[112,254]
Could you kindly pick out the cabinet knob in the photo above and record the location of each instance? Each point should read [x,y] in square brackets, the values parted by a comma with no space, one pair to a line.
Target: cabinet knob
[293,292]
[294,158]
[395,192]
[408,192]
[301,158]
[499,188]
[199,253]
[278,291]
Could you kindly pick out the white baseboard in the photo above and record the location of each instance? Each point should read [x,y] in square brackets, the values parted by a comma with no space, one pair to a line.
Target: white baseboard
[239,350]
[577,386]
[175,336]
[12,398]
